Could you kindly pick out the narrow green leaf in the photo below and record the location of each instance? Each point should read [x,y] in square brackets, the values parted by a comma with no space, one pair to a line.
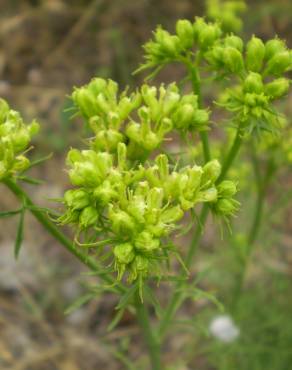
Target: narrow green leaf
[125,299]
[80,301]
[30,180]
[9,213]
[19,235]
[40,160]
[116,320]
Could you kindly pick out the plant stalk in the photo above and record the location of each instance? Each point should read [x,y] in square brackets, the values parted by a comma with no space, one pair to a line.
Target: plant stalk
[150,338]
[177,297]
[262,186]
[57,234]
[196,84]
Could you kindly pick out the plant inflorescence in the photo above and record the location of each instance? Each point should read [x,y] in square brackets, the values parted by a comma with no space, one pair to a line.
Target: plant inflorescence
[130,193]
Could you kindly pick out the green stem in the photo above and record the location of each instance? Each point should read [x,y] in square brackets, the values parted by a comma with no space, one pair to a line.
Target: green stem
[262,186]
[231,155]
[177,297]
[57,234]
[196,84]
[149,336]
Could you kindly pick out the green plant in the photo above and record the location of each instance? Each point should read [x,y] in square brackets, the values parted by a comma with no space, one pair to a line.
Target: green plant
[131,194]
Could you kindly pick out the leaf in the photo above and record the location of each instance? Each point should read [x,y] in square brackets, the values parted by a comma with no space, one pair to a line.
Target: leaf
[127,297]
[81,301]
[30,180]
[116,320]
[153,300]
[40,160]
[19,236]
[9,213]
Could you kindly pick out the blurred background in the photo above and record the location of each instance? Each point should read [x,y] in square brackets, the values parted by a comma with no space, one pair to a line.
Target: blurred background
[46,48]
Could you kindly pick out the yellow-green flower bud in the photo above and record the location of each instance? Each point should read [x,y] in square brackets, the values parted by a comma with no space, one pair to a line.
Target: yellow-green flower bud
[233,60]
[211,171]
[227,189]
[145,242]
[200,118]
[124,253]
[255,53]
[225,207]
[122,223]
[279,63]
[208,35]
[274,47]
[76,199]
[277,88]
[185,32]
[88,217]
[171,215]
[4,110]
[253,83]
[209,195]
[234,42]
[85,101]
[21,164]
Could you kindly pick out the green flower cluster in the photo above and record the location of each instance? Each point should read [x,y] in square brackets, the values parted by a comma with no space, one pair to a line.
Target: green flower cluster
[260,68]
[15,137]
[143,118]
[166,48]
[124,205]
[226,12]
[137,208]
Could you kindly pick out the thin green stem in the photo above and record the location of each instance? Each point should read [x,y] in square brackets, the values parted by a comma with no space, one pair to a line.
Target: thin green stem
[262,186]
[149,336]
[57,234]
[193,70]
[231,155]
[177,297]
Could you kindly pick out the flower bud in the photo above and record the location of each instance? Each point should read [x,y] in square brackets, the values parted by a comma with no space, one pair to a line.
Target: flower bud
[185,32]
[97,85]
[155,198]
[208,35]
[200,118]
[255,53]
[209,195]
[233,60]
[76,199]
[146,242]
[234,42]
[122,223]
[85,102]
[198,27]
[225,207]
[140,264]
[253,83]
[124,253]
[184,116]
[211,171]
[20,139]
[171,215]
[162,163]
[279,63]
[21,163]
[4,109]
[122,156]
[274,47]
[104,193]
[277,88]
[88,217]
[227,189]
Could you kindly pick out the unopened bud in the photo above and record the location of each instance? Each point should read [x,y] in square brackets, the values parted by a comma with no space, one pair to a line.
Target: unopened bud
[277,88]
[279,63]
[253,83]
[233,60]
[255,53]
[185,32]
[124,253]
